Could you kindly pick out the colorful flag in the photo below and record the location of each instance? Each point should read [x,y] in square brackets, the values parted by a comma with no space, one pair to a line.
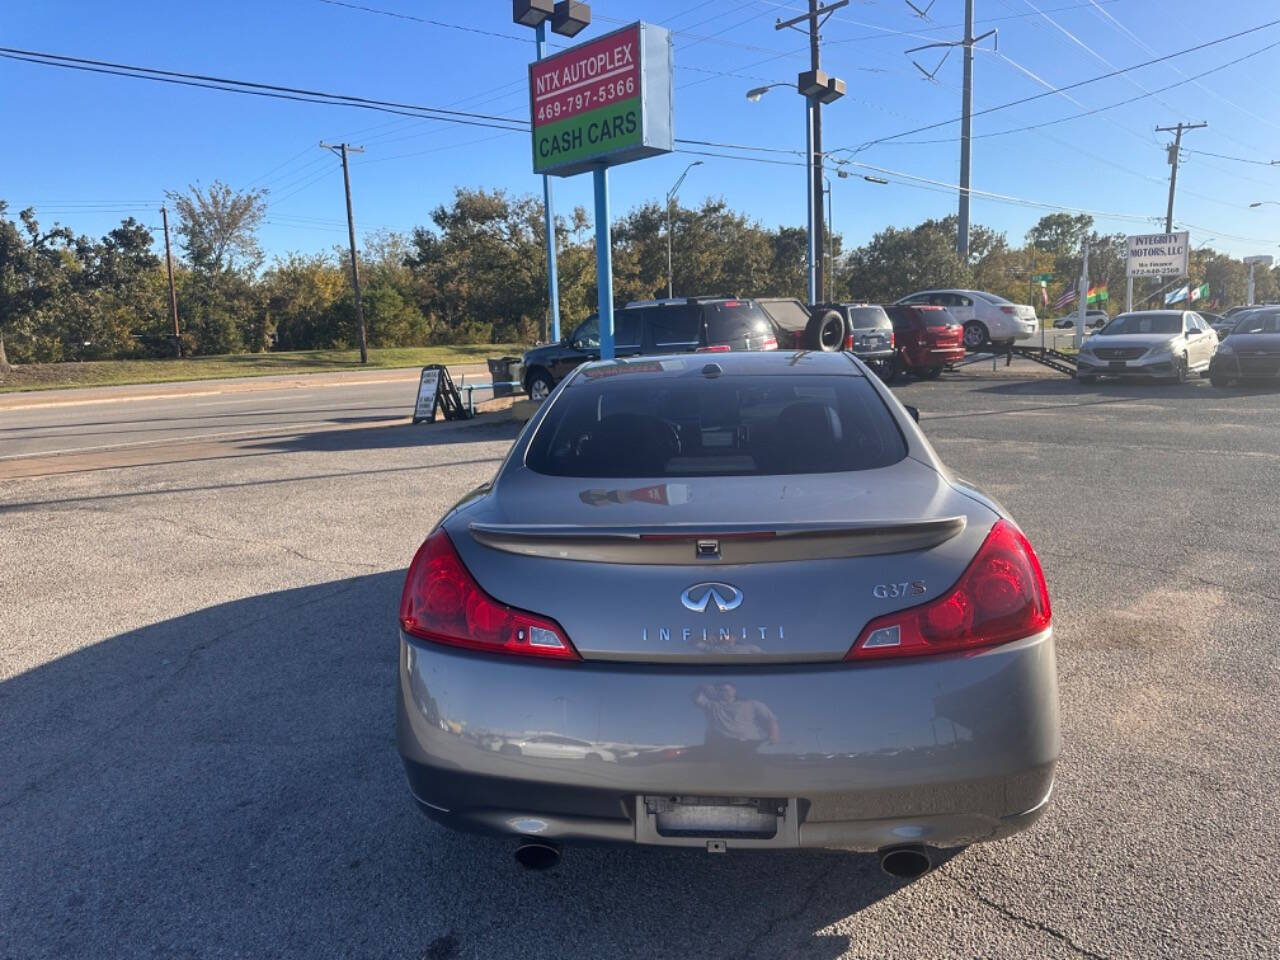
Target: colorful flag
[1068,297]
[1098,294]
[1177,296]
[1044,295]
[1200,291]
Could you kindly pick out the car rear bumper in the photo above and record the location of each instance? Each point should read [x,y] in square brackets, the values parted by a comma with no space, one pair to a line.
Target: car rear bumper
[932,356]
[942,751]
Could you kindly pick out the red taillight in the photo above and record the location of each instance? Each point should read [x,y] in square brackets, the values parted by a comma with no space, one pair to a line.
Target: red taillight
[769,343]
[893,340]
[1008,309]
[1000,597]
[848,342]
[441,601]
[714,348]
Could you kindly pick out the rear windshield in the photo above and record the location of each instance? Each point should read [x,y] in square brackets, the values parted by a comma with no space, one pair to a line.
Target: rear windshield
[730,321]
[930,316]
[723,427]
[863,318]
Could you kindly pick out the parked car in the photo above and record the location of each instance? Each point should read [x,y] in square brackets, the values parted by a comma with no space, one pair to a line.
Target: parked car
[864,329]
[1161,344]
[986,318]
[684,325]
[792,646]
[553,746]
[926,339]
[1223,325]
[1252,353]
[801,327]
[1093,319]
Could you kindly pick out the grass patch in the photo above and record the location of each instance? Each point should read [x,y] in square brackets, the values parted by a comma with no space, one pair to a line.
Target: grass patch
[102,373]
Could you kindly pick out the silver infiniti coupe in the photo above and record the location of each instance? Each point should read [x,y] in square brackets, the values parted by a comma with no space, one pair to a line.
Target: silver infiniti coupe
[746,592]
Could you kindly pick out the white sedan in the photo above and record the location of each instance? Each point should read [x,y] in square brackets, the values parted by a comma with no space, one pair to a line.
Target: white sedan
[986,318]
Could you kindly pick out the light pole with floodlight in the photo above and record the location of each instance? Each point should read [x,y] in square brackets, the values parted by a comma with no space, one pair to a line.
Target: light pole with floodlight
[567,19]
[670,196]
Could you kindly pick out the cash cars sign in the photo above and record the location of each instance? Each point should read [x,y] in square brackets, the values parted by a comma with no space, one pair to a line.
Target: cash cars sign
[1159,255]
[604,102]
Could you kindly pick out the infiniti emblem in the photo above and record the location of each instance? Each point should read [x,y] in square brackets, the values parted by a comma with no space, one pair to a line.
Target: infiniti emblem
[698,597]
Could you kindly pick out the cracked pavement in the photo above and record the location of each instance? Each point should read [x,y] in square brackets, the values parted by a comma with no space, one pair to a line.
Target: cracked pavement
[197,656]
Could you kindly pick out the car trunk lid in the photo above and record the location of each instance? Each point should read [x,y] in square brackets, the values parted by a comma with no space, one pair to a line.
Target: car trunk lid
[669,572]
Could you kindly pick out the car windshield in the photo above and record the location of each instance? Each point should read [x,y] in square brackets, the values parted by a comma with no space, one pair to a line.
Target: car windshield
[622,426]
[588,332]
[1170,323]
[1263,321]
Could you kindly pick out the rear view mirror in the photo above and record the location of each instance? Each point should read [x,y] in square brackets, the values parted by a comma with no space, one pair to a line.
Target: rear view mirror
[914,411]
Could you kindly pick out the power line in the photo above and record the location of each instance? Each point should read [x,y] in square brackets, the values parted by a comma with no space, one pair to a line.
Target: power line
[1074,86]
[1074,116]
[1223,156]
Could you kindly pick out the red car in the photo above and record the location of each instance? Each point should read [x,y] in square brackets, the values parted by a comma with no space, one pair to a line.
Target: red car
[927,338]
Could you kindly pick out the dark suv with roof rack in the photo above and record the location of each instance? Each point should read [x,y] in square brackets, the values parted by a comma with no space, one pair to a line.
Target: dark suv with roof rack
[681,325]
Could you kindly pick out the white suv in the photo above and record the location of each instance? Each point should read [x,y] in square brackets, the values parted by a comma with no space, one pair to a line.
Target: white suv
[986,317]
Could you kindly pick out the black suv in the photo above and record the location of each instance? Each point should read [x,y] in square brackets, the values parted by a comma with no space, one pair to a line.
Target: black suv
[650,327]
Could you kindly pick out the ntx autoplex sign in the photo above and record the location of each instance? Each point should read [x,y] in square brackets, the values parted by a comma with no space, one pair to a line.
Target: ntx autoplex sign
[605,102]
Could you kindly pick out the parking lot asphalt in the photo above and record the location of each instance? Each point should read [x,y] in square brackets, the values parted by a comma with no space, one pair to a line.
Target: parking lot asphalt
[198,656]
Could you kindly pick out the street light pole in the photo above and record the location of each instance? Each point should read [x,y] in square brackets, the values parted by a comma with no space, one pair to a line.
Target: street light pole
[549,221]
[671,196]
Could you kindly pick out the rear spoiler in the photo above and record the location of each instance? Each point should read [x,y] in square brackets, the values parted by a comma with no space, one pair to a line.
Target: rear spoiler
[684,544]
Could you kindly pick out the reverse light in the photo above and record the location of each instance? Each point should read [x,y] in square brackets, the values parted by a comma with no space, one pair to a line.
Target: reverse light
[1000,597]
[442,602]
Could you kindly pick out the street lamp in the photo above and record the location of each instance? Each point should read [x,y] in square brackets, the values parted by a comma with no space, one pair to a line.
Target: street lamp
[1260,203]
[567,19]
[671,196]
[817,88]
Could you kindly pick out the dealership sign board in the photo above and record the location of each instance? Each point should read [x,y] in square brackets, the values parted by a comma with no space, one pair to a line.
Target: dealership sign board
[1159,255]
[608,101]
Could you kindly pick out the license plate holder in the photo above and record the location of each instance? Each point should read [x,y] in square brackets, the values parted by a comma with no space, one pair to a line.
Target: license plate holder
[694,821]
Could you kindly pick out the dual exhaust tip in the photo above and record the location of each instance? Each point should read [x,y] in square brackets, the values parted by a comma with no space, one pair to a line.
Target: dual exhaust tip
[905,862]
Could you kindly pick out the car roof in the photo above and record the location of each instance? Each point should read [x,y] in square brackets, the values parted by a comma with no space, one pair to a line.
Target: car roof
[732,363]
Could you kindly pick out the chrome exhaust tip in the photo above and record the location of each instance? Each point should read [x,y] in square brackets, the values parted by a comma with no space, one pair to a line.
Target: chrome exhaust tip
[537,854]
[906,862]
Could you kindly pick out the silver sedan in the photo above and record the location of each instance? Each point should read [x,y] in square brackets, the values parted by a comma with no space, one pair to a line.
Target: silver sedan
[749,591]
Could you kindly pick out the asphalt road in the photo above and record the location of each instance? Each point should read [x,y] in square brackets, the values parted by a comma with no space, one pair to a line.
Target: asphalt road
[198,656]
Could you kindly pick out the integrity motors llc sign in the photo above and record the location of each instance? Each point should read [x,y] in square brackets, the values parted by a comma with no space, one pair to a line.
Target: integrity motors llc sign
[1159,255]
[608,101]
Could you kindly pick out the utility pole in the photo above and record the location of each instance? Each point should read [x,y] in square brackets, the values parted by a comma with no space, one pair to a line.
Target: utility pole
[342,150]
[1174,152]
[173,293]
[818,89]
[966,136]
[966,117]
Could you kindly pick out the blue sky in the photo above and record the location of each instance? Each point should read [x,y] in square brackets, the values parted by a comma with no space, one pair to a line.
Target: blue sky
[88,149]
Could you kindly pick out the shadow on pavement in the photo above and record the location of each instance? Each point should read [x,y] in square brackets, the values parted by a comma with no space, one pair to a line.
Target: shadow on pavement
[225,783]
[392,436]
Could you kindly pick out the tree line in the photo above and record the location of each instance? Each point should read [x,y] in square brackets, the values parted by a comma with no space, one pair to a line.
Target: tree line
[477,274]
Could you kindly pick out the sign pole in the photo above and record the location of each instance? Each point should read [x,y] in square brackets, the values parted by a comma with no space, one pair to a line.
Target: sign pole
[1250,299]
[1128,295]
[813,240]
[1078,339]
[549,218]
[604,262]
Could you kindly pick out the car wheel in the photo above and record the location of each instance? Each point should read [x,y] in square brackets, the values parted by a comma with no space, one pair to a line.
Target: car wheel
[887,370]
[928,373]
[1086,378]
[975,334]
[1218,380]
[593,756]
[510,749]
[1180,369]
[540,385]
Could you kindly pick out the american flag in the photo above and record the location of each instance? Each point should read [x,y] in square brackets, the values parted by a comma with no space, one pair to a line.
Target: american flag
[1068,297]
